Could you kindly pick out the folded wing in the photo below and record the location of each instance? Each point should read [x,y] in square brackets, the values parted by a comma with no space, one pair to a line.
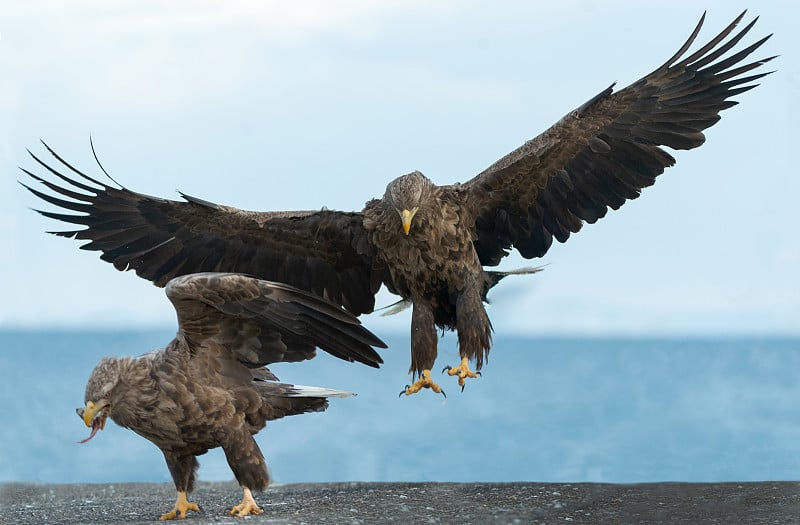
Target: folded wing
[262,322]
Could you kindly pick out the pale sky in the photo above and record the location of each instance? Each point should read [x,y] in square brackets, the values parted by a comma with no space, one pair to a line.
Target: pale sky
[298,105]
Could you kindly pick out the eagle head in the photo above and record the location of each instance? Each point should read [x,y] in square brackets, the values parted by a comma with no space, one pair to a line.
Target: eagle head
[99,394]
[406,195]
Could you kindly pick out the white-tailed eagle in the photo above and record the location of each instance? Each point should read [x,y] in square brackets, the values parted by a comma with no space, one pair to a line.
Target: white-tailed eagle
[209,387]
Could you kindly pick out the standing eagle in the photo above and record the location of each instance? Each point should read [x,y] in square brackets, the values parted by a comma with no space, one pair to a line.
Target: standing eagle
[209,388]
[428,243]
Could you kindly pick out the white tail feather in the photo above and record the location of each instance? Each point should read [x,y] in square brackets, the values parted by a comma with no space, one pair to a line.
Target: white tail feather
[395,308]
[317,391]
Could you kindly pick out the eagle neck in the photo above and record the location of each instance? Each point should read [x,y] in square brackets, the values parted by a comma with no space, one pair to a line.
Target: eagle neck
[135,393]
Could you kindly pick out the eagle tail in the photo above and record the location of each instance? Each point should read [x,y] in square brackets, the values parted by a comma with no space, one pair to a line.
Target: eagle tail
[492,277]
[316,391]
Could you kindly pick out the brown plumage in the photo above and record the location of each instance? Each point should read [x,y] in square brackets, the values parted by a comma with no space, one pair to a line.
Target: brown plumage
[425,242]
[209,388]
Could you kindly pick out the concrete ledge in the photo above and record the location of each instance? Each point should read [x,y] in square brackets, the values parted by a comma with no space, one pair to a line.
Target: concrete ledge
[461,503]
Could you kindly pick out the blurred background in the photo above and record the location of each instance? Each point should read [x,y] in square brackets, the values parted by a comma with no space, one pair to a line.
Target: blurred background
[677,312]
[605,410]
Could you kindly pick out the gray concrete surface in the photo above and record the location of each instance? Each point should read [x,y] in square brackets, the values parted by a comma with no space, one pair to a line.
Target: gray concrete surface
[411,503]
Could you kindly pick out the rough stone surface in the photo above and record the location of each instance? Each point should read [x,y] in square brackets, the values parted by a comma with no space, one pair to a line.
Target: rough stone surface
[410,503]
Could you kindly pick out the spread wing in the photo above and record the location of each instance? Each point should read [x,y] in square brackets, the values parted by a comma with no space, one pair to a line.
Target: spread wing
[324,252]
[262,322]
[606,151]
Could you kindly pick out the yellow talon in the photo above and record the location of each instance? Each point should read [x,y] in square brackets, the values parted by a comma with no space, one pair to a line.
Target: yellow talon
[247,506]
[182,506]
[462,371]
[424,381]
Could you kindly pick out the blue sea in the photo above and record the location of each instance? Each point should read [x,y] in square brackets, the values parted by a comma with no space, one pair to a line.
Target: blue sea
[562,410]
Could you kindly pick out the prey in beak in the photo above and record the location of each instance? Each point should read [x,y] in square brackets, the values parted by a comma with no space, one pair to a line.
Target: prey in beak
[94,415]
[407,216]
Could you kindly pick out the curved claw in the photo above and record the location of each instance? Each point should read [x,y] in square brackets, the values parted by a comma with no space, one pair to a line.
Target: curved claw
[182,508]
[462,371]
[247,507]
[424,381]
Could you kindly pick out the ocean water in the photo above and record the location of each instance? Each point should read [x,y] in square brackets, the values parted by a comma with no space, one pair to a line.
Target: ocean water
[605,410]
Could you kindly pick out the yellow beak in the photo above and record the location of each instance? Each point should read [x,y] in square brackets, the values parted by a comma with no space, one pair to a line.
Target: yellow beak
[88,413]
[407,216]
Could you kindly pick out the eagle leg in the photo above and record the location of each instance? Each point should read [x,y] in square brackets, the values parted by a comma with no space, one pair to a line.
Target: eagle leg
[474,334]
[424,381]
[423,348]
[247,506]
[462,371]
[182,506]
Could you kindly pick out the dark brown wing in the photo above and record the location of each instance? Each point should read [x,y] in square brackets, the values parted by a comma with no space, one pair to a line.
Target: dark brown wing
[324,252]
[606,151]
[263,322]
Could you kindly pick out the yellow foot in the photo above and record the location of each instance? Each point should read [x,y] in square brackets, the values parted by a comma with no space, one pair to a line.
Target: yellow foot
[182,506]
[247,506]
[424,381]
[462,371]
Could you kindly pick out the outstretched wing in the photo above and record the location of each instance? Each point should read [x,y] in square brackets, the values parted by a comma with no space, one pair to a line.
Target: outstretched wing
[262,322]
[606,151]
[323,252]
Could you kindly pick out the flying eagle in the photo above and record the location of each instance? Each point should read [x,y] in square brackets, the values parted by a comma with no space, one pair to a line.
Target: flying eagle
[428,243]
[209,387]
